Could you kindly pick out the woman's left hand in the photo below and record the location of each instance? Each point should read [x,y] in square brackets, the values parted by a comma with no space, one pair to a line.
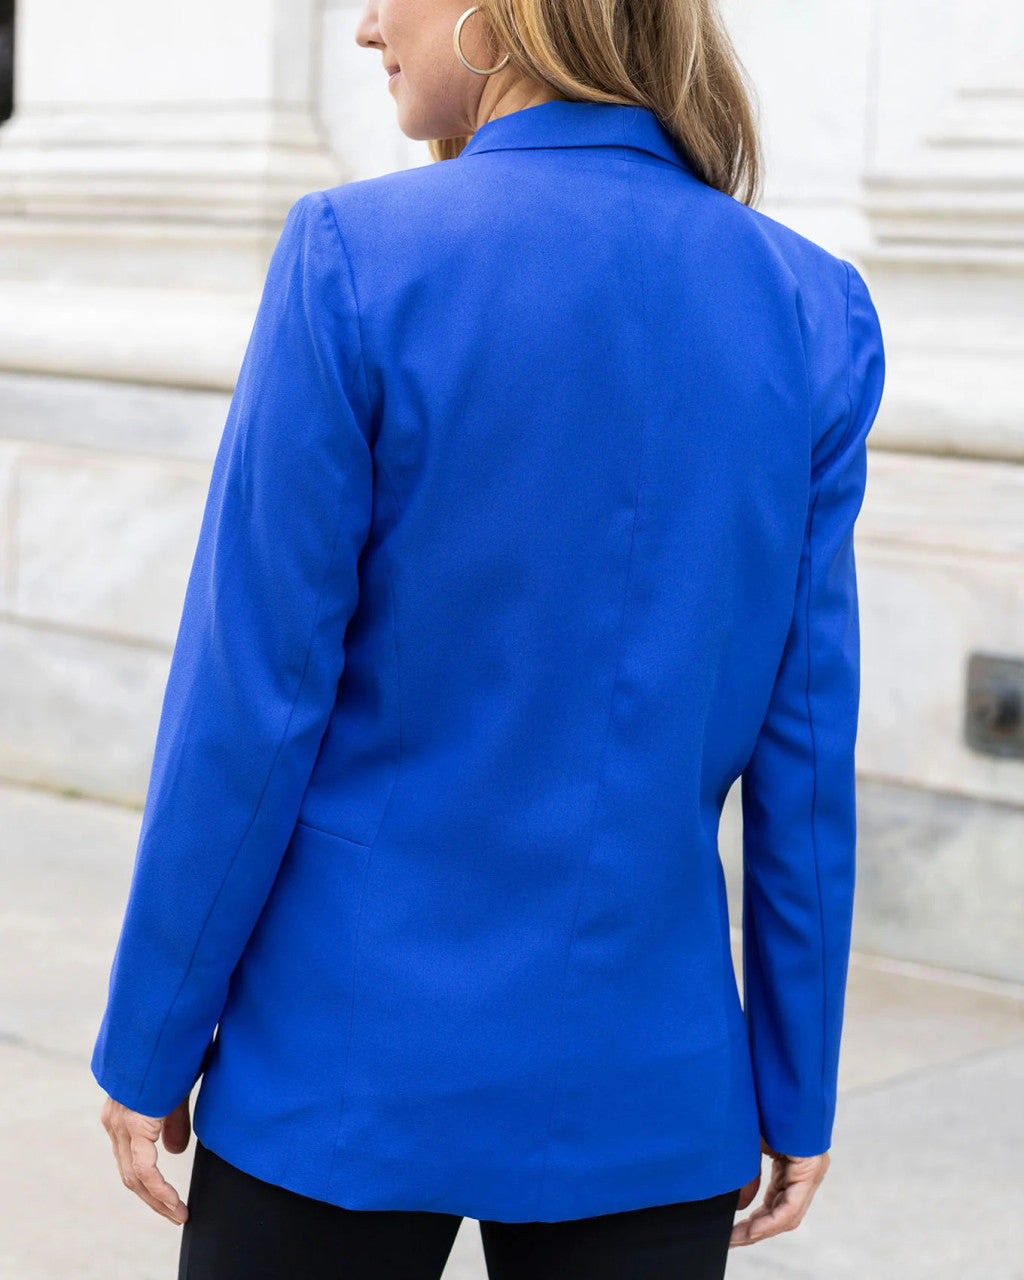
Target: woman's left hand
[134,1137]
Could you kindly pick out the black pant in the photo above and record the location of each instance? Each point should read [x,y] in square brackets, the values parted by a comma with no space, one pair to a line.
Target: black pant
[241,1228]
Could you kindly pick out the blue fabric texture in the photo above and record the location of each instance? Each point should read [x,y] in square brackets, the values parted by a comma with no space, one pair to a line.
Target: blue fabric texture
[529,533]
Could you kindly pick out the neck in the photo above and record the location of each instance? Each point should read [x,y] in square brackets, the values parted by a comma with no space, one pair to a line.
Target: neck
[501,97]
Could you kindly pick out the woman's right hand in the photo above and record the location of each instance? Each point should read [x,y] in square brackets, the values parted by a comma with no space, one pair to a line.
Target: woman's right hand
[793,1182]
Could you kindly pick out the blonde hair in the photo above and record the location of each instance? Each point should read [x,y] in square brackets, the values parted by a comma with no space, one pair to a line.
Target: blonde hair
[673,56]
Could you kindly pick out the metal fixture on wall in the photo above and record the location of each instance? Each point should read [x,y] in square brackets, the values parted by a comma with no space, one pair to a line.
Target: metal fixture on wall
[994,722]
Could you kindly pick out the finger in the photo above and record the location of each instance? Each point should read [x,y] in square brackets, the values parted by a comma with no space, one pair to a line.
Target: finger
[129,1177]
[784,1215]
[741,1232]
[177,1129]
[774,1194]
[748,1193]
[792,1177]
[152,1185]
[120,1141]
[744,1231]
[748,1230]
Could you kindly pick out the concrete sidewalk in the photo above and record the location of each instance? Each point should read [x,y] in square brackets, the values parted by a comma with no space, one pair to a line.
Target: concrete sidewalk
[926,1181]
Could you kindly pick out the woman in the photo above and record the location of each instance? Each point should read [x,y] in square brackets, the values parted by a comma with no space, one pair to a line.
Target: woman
[530,532]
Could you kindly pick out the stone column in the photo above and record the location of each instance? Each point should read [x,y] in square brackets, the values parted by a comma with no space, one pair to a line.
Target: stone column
[144,176]
[941,539]
[947,218]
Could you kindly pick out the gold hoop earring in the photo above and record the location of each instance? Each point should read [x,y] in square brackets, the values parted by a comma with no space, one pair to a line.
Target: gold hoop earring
[457,40]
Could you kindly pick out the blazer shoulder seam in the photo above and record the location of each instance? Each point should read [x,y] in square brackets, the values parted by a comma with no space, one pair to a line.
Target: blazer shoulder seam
[355,300]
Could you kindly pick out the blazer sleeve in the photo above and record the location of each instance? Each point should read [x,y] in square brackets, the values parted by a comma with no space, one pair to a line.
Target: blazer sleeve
[254,670]
[798,788]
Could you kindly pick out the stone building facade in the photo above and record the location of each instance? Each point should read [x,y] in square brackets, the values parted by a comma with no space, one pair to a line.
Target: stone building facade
[144,175]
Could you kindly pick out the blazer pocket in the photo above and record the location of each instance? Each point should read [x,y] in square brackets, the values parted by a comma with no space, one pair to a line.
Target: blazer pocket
[316,831]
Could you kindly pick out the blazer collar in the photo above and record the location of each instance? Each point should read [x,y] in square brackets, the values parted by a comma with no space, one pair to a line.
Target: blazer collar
[561,123]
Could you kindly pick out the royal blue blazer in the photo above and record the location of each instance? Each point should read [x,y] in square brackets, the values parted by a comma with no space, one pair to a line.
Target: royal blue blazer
[529,533]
